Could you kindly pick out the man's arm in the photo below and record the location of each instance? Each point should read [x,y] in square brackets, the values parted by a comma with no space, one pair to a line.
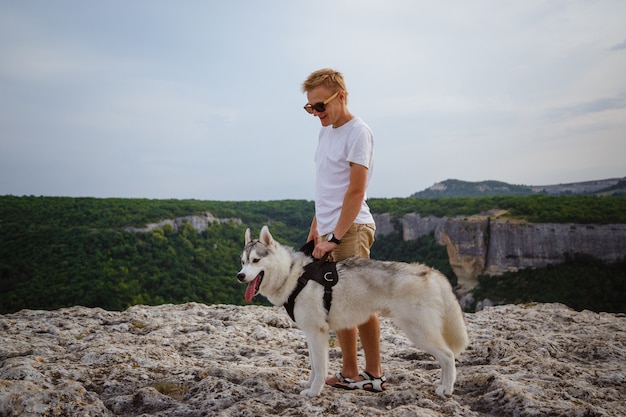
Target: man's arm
[352,202]
[313,233]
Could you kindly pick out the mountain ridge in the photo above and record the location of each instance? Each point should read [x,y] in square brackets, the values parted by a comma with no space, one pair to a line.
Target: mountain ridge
[490,188]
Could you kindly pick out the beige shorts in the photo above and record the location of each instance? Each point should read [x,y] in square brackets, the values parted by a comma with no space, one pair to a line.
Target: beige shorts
[356,242]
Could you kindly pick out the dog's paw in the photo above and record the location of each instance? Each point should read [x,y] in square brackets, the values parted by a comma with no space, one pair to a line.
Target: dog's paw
[443,392]
[309,393]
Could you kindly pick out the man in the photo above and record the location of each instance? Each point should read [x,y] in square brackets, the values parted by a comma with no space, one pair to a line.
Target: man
[343,225]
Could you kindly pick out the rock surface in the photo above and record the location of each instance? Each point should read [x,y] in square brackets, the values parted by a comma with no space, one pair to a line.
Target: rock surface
[198,360]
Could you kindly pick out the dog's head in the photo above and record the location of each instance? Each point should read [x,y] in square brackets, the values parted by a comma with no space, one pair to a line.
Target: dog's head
[254,261]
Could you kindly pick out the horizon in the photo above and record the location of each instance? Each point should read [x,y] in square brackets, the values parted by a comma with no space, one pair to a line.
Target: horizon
[305,199]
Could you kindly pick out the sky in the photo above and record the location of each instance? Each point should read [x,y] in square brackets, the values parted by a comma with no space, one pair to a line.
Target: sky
[202,99]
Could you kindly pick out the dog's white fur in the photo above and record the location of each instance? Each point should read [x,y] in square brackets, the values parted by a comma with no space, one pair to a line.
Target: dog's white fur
[419,298]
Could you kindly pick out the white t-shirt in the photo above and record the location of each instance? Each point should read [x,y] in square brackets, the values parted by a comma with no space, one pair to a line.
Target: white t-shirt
[352,142]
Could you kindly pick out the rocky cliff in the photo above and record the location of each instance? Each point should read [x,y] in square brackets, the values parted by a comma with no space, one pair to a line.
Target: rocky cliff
[198,360]
[491,245]
[199,222]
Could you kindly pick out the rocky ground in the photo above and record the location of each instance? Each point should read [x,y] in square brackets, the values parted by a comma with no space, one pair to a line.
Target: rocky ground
[198,360]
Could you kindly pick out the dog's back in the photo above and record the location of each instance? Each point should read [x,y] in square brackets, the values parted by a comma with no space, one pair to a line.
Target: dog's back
[410,293]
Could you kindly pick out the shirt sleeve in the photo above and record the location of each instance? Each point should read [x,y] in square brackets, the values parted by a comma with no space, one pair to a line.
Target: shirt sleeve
[361,147]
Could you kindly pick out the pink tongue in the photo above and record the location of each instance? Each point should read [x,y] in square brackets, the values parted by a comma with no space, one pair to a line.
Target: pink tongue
[251,289]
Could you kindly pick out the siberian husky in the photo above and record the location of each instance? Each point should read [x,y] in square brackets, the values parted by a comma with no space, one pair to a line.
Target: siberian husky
[419,299]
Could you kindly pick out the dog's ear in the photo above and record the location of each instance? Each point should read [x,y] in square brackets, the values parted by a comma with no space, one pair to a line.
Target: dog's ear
[266,237]
[248,238]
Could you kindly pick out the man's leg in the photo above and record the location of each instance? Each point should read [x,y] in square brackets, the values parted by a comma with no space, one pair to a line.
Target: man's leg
[358,241]
[348,342]
[370,339]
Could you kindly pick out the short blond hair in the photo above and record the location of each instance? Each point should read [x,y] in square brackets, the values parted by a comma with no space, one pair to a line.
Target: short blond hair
[326,77]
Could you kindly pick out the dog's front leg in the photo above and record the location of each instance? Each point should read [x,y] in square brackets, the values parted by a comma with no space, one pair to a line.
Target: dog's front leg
[317,341]
[308,382]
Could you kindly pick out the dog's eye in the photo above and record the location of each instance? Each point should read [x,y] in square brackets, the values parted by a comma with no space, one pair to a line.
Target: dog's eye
[256,260]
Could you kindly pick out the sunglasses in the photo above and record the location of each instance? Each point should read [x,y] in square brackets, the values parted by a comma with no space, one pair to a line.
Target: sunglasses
[321,106]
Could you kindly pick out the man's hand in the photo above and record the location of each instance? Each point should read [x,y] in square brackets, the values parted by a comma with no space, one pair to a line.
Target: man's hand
[322,248]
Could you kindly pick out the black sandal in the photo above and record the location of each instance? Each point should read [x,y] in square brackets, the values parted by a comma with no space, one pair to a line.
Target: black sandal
[369,382]
[343,382]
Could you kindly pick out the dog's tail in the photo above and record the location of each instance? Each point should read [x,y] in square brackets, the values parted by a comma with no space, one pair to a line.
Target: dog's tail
[454,328]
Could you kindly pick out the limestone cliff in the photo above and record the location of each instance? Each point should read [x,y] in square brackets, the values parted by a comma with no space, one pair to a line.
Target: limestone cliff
[491,245]
[199,222]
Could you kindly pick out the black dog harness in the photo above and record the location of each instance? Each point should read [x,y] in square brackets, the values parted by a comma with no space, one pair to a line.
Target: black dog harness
[321,271]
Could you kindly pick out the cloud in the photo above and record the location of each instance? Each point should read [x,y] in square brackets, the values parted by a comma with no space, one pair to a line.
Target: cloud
[619,46]
[598,105]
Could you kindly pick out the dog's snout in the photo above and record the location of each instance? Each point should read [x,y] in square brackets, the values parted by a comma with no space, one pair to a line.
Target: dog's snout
[241,276]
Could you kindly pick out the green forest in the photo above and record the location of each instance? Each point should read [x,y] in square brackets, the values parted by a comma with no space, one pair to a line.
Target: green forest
[59,251]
